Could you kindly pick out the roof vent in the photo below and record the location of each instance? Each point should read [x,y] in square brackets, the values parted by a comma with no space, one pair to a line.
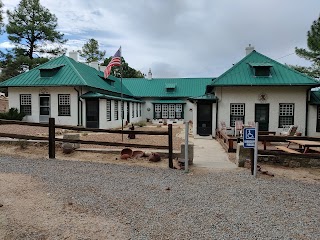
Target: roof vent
[249,49]
[149,74]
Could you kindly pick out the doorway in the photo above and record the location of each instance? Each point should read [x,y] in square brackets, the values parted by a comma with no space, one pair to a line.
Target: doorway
[204,119]
[262,116]
[44,108]
[92,113]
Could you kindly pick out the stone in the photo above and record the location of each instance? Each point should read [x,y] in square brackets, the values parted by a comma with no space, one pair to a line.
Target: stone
[314,162]
[154,157]
[73,136]
[125,156]
[294,164]
[67,148]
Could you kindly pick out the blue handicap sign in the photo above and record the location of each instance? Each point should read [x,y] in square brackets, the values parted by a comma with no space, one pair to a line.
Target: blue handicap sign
[249,137]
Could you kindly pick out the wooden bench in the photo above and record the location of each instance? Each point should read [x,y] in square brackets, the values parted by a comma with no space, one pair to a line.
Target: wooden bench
[288,150]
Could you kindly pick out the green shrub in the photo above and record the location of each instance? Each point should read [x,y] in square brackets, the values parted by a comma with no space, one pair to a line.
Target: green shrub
[12,114]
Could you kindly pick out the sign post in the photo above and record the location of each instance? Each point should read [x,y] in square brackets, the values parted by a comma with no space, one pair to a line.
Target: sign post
[250,140]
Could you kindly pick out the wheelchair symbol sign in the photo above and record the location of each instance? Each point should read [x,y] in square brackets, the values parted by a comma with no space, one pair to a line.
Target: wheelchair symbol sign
[249,137]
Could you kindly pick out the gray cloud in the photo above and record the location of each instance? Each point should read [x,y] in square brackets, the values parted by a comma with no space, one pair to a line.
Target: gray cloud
[188,38]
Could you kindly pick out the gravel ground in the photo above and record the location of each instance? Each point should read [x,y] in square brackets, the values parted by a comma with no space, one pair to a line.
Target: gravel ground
[200,205]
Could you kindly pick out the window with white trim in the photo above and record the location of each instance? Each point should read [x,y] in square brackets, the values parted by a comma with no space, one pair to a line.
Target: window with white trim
[178,111]
[116,112]
[108,110]
[132,113]
[25,104]
[237,113]
[164,110]
[137,110]
[64,105]
[157,111]
[286,114]
[172,111]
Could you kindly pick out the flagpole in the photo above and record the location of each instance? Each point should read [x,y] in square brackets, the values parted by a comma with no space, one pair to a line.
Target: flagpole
[122,106]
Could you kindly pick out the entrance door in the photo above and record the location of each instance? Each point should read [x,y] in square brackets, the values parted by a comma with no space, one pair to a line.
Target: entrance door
[92,113]
[204,119]
[44,108]
[262,116]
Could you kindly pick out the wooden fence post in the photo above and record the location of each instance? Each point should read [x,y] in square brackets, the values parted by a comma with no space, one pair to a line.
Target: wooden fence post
[52,143]
[170,145]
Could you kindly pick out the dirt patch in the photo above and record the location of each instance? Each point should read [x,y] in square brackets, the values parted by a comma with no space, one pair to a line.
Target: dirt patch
[30,213]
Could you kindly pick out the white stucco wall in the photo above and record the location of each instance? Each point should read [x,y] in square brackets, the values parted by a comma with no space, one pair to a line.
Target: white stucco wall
[312,122]
[275,95]
[14,101]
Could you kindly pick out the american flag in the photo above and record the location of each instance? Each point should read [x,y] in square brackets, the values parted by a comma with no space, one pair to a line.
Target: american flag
[115,61]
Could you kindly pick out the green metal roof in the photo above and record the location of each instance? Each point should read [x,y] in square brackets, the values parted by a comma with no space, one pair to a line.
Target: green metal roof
[171,85]
[106,96]
[71,73]
[242,74]
[209,97]
[157,87]
[315,97]
[169,101]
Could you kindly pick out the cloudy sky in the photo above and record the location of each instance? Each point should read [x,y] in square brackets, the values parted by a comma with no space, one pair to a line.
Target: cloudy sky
[185,38]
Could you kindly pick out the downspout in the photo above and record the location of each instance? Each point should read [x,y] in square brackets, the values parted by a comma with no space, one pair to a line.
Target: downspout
[78,106]
[217,110]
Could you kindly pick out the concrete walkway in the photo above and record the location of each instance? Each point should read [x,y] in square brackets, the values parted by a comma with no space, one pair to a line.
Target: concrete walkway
[208,153]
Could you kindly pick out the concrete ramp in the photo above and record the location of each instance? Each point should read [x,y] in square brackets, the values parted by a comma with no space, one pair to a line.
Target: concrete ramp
[208,153]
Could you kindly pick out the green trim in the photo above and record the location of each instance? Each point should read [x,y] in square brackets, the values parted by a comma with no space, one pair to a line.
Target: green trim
[104,96]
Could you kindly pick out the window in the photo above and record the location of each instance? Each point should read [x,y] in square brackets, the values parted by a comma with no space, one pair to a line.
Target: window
[286,114]
[137,110]
[262,71]
[157,111]
[171,111]
[122,109]
[140,110]
[132,112]
[64,105]
[116,114]
[236,113]
[179,111]
[108,110]
[25,104]
[318,119]
[164,110]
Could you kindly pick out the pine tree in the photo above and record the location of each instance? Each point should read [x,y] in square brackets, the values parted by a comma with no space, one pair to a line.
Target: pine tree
[313,52]
[90,51]
[31,27]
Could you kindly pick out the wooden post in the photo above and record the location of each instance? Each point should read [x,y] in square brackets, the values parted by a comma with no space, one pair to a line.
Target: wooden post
[170,145]
[52,143]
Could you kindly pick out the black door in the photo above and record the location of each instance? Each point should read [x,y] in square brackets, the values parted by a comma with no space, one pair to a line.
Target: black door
[204,119]
[92,113]
[262,116]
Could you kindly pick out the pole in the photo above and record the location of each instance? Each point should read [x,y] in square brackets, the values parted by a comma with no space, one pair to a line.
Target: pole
[122,107]
[170,145]
[52,144]
[256,150]
[186,148]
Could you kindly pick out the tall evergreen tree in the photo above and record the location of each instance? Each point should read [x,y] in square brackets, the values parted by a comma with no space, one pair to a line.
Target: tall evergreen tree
[313,52]
[90,51]
[1,17]
[31,27]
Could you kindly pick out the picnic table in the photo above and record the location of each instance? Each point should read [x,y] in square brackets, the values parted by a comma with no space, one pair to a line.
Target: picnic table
[305,144]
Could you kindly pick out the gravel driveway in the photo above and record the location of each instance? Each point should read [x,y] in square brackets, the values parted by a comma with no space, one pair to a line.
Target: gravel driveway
[149,203]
